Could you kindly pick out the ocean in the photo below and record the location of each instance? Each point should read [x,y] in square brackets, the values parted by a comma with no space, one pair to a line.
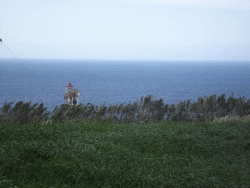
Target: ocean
[116,82]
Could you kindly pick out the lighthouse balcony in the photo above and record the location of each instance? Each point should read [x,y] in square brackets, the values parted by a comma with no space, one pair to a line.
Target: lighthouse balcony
[67,95]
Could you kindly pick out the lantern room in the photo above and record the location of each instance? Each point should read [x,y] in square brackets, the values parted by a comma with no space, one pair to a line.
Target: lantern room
[69,88]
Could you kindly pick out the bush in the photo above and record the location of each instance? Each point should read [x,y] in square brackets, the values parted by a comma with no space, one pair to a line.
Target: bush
[23,113]
[143,110]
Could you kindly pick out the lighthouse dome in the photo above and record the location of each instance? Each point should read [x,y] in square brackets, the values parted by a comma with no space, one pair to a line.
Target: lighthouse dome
[69,85]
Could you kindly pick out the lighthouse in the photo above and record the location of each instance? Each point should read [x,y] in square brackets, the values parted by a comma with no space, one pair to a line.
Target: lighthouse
[71,96]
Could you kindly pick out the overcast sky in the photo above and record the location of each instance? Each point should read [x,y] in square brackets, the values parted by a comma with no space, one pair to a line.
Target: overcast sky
[126,29]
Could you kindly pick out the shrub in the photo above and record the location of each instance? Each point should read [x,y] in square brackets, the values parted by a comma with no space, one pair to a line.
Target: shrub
[144,110]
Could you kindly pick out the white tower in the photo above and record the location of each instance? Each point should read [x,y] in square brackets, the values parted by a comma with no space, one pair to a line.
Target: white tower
[71,96]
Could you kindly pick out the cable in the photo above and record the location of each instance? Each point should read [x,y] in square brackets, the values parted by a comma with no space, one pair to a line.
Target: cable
[26,68]
[23,66]
[19,60]
[7,62]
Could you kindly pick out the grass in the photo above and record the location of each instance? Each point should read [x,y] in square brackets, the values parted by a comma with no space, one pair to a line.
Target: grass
[163,154]
[146,109]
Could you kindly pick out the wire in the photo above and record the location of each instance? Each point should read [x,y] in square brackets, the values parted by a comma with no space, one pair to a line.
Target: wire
[26,68]
[19,60]
[7,62]
[22,65]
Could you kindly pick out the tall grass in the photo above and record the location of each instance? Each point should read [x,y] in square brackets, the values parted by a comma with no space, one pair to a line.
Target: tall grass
[142,144]
[163,154]
[145,110]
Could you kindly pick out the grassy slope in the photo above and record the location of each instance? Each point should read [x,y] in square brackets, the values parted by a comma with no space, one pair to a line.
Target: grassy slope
[165,154]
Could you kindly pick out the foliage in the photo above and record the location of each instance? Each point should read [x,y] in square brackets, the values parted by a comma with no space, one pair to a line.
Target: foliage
[23,112]
[146,110]
[163,154]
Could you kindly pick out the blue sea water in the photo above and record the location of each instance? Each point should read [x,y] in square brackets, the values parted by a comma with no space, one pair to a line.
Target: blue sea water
[115,82]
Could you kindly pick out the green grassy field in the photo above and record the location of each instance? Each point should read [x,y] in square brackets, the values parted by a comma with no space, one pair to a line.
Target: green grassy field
[164,154]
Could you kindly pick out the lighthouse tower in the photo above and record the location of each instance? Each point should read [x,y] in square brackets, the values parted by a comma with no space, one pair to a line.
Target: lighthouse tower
[71,96]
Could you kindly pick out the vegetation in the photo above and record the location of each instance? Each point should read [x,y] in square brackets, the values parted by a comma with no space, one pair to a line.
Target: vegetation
[163,154]
[144,144]
[145,110]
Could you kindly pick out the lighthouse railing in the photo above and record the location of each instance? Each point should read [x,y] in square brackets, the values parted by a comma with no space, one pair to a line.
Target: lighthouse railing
[71,95]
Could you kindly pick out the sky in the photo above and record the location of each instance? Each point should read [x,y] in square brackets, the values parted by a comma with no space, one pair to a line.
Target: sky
[126,29]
